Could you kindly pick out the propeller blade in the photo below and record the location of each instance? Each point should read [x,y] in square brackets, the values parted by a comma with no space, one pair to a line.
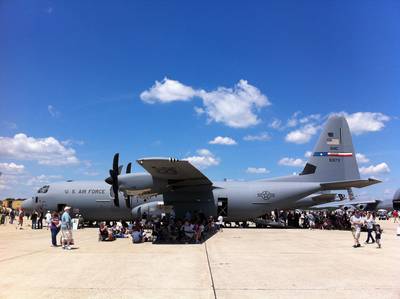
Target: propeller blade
[129,167]
[115,162]
[116,199]
[109,180]
[120,169]
[128,202]
[114,178]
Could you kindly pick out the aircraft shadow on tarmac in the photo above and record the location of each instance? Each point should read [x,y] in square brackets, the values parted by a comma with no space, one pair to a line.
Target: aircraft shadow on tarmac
[184,240]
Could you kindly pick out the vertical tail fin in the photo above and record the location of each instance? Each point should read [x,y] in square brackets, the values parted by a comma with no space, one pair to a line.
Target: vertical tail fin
[333,158]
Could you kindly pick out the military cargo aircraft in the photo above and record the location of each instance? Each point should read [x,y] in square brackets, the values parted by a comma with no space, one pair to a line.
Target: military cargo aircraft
[364,204]
[178,184]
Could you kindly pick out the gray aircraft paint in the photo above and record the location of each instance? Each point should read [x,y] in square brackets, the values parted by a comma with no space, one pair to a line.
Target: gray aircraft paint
[364,203]
[92,199]
[177,183]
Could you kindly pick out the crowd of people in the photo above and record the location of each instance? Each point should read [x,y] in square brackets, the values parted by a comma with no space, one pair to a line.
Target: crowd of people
[197,227]
[9,215]
[338,219]
[367,220]
[168,229]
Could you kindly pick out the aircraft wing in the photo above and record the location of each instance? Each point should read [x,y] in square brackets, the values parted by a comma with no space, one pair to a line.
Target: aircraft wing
[177,173]
[343,203]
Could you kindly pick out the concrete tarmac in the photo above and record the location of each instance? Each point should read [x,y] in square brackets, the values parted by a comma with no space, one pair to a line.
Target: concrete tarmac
[235,263]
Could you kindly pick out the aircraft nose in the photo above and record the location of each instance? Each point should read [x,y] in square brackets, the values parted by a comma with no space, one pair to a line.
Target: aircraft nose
[27,205]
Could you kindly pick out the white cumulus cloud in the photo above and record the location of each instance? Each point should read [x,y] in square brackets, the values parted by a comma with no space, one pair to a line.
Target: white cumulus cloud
[364,122]
[203,159]
[167,91]
[11,168]
[361,158]
[46,151]
[257,170]
[235,107]
[293,162]
[375,169]
[223,141]
[260,137]
[42,179]
[303,134]
[308,154]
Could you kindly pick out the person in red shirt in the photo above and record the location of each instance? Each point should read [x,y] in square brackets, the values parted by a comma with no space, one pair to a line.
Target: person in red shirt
[395,215]
[21,215]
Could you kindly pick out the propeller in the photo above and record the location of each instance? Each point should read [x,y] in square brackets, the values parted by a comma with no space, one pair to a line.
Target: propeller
[113,178]
[128,198]
[129,167]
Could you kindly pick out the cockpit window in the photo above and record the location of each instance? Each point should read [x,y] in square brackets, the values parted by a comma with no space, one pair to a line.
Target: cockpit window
[44,189]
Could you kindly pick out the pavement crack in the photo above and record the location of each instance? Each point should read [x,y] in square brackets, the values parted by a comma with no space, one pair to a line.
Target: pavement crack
[209,269]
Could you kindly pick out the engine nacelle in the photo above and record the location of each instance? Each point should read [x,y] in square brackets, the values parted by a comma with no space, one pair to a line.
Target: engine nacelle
[361,206]
[154,208]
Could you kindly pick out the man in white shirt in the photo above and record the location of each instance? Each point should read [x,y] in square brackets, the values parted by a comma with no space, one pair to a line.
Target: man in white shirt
[356,223]
[48,219]
[370,222]
[220,222]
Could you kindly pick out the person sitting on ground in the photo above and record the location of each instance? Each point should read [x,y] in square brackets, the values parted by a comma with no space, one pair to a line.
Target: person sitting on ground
[187,228]
[104,233]
[173,231]
[311,220]
[137,235]
[199,229]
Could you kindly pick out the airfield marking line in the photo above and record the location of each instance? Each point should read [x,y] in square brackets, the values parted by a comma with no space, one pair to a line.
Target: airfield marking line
[209,269]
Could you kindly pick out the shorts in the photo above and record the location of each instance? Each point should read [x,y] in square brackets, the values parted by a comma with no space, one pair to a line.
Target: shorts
[66,234]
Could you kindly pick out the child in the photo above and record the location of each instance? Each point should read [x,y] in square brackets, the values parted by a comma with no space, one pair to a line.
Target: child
[378,233]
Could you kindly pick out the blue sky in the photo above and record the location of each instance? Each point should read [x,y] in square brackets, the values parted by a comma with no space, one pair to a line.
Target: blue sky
[72,77]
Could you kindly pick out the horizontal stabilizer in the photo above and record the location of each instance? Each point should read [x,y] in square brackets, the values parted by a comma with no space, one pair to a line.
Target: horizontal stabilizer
[340,185]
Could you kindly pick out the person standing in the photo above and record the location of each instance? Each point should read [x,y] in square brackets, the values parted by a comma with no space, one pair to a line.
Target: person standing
[66,228]
[54,228]
[356,223]
[378,235]
[40,220]
[370,222]
[21,215]
[3,215]
[395,215]
[48,219]
[12,216]
[34,219]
